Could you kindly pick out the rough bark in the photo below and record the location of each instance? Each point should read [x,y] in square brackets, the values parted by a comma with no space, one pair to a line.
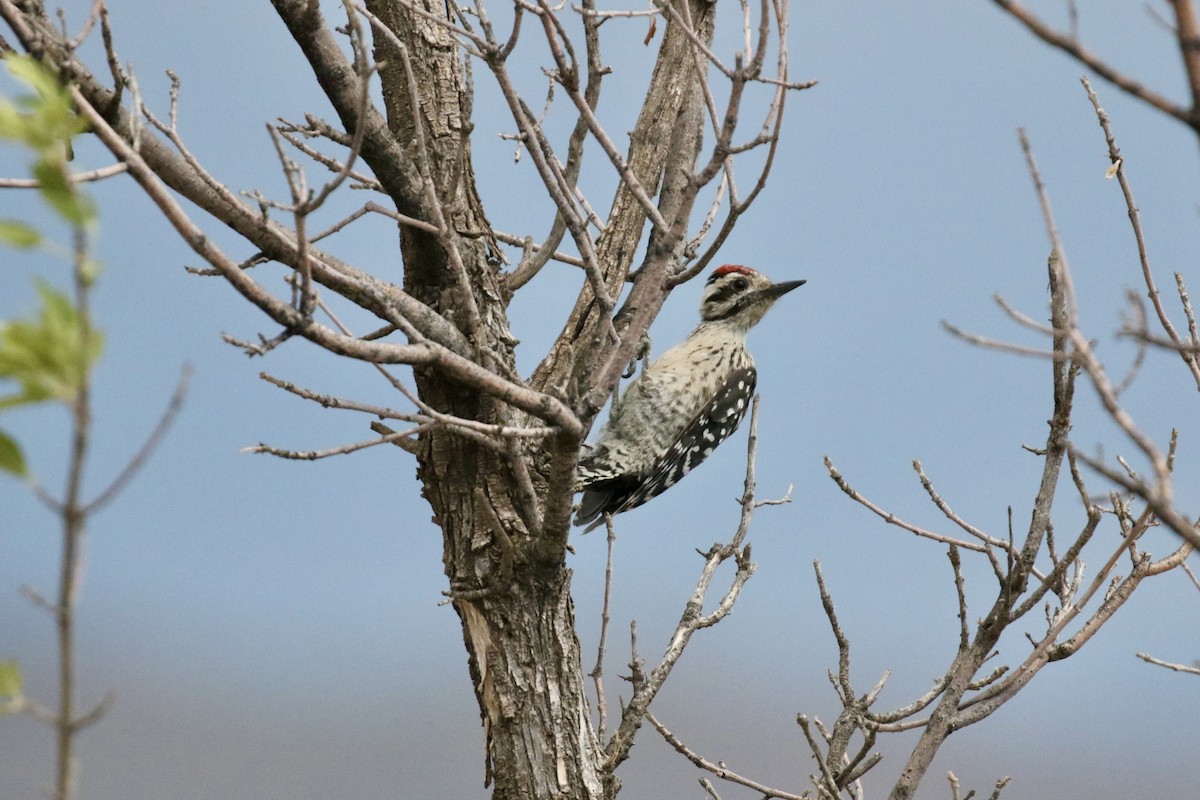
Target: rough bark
[513,591]
[507,569]
[512,597]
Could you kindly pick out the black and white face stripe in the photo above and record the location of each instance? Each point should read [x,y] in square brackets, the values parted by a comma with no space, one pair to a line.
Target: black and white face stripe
[729,292]
[732,290]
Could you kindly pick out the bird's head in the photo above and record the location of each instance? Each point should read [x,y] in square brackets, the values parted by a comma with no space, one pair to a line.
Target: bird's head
[740,295]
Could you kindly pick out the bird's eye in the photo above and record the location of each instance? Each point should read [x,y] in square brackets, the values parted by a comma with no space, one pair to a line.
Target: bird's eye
[740,283]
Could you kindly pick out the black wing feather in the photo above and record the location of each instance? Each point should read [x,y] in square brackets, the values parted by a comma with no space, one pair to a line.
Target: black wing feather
[711,425]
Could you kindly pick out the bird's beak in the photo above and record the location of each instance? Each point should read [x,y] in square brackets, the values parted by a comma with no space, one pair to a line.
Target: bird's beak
[778,290]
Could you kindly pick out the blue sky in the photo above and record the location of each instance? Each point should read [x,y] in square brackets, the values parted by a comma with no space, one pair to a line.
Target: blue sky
[271,629]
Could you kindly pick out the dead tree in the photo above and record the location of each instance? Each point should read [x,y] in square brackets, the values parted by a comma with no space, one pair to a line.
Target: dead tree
[496,450]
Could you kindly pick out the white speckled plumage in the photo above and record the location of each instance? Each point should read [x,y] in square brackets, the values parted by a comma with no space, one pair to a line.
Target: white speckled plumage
[684,404]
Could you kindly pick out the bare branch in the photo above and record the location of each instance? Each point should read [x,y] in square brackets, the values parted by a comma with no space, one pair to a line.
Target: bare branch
[1139,358]
[719,769]
[845,690]
[1114,154]
[568,78]
[1193,332]
[891,518]
[148,447]
[290,130]
[944,507]
[1048,648]
[1007,347]
[518,278]
[825,782]
[1149,659]
[313,455]
[1191,575]
[403,219]
[74,177]
[1070,46]
[597,673]
[426,353]
[1155,501]
[1187,32]
[429,416]
[93,715]
[392,165]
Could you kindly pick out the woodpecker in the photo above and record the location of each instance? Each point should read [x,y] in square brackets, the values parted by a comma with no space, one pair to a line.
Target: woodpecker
[683,405]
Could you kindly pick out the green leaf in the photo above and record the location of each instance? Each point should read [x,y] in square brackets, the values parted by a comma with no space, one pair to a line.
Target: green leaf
[53,102]
[46,123]
[60,193]
[33,73]
[12,122]
[89,271]
[48,357]
[19,234]
[12,461]
[11,683]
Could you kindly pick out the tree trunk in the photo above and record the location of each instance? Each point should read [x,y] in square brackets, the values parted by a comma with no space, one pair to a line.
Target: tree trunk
[504,553]
[512,598]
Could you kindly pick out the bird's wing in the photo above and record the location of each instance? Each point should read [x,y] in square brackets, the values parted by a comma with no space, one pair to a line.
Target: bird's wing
[713,423]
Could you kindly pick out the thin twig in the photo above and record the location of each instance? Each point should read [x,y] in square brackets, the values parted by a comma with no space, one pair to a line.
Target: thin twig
[148,447]
[313,455]
[597,673]
[944,507]
[557,42]
[1149,659]
[719,769]
[1072,47]
[74,177]
[514,280]
[826,784]
[288,131]
[1007,347]
[1114,154]
[891,518]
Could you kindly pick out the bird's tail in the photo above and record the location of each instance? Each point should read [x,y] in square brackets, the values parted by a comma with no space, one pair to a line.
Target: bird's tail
[601,497]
